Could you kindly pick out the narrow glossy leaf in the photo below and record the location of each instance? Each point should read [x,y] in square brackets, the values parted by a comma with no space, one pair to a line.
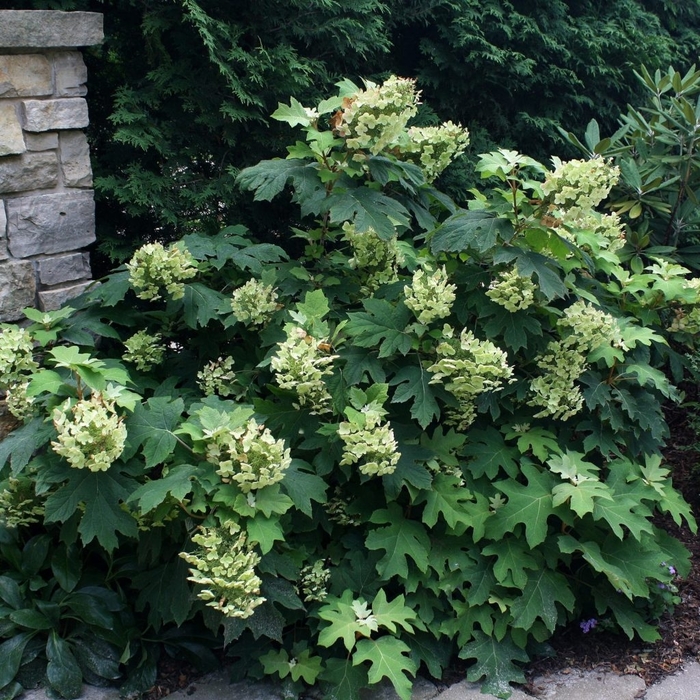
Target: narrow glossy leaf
[31,619]
[11,652]
[62,671]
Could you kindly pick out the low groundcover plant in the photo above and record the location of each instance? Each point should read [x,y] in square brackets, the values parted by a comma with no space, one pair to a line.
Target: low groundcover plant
[435,432]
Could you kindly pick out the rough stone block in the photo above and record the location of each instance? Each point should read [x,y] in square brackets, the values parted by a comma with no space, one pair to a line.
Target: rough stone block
[52,299]
[75,159]
[46,141]
[25,76]
[64,268]
[17,288]
[50,29]
[31,171]
[11,138]
[46,115]
[50,223]
[70,74]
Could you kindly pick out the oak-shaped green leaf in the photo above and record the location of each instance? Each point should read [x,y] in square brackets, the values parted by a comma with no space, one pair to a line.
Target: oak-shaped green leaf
[494,663]
[470,230]
[490,454]
[101,495]
[544,589]
[447,497]
[152,425]
[401,539]
[623,510]
[513,557]
[382,325]
[529,505]
[367,208]
[303,486]
[582,496]
[389,658]
[342,680]
[413,383]
[345,624]
[390,614]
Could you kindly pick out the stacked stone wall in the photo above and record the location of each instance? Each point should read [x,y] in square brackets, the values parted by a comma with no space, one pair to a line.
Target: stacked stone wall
[47,211]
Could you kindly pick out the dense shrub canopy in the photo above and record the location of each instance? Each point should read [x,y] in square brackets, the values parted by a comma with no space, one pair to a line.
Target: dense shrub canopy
[180,93]
[404,431]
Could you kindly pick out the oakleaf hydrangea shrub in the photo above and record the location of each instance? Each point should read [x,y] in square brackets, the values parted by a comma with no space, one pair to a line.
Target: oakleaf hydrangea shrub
[436,432]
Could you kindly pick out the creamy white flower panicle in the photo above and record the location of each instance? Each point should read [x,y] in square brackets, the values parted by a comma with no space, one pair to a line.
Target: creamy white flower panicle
[512,291]
[369,441]
[90,433]
[154,267]
[144,350]
[580,185]
[300,365]
[16,355]
[18,402]
[254,302]
[313,582]
[248,454]
[583,328]
[373,118]
[224,566]
[467,367]
[430,295]
[608,229]
[375,259]
[217,377]
[555,390]
[434,147]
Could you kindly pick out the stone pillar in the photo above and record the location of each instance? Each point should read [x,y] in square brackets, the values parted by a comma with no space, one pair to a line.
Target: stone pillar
[47,210]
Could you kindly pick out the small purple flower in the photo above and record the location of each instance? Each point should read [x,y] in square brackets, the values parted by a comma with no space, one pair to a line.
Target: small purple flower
[672,570]
[587,625]
[662,586]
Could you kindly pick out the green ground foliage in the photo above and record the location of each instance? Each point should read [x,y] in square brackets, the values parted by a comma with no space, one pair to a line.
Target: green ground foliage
[395,432]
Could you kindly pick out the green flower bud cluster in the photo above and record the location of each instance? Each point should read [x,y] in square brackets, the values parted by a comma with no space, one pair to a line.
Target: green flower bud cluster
[153,266]
[685,321]
[300,365]
[224,565]
[468,367]
[580,185]
[144,350]
[90,433]
[372,119]
[430,296]
[247,454]
[16,355]
[375,259]
[18,403]
[512,291]
[337,510]
[369,441]
[434,147]
[254,302]
[217,377]
[313,582]
[19,505]
[584,328]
